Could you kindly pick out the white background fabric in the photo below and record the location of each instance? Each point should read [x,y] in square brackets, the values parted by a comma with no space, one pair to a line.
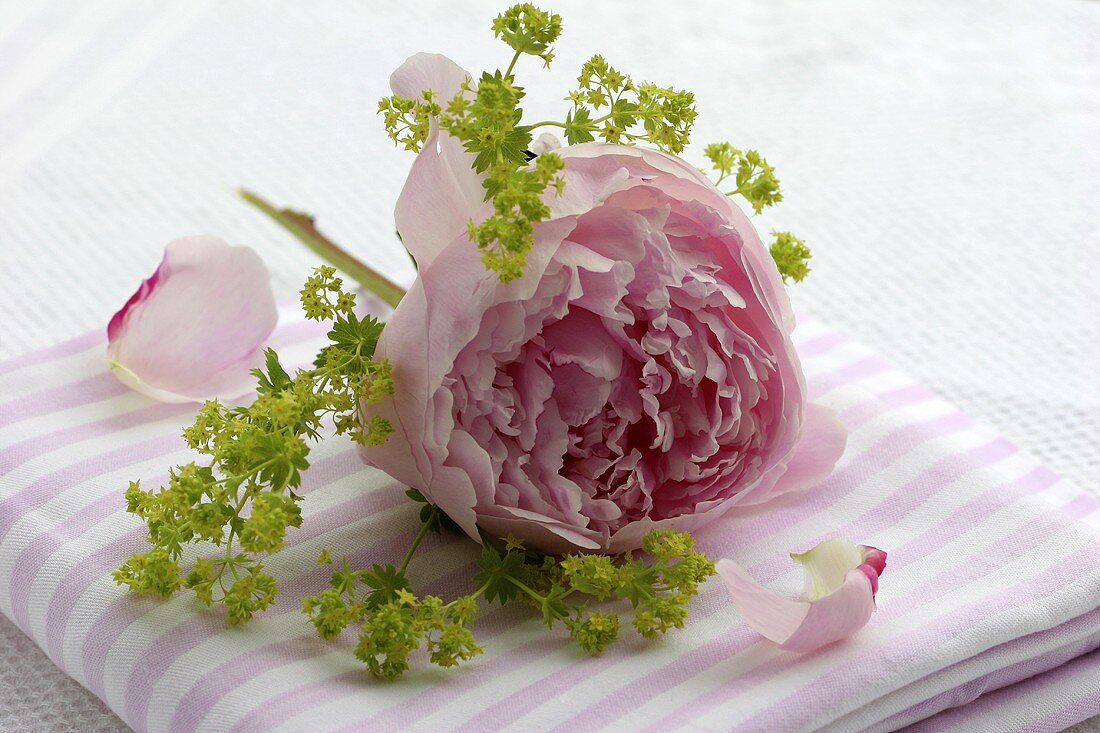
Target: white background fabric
[939,157]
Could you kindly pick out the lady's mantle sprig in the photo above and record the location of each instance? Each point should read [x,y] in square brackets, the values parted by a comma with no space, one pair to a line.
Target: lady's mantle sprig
[393,622]
[487,117]
[244,498]
[609,105]
[756,182]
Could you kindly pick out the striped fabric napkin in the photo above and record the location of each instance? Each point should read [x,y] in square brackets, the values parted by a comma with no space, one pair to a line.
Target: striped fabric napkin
[991,594]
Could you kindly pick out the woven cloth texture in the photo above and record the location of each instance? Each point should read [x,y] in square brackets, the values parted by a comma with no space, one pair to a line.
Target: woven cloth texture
[940,157]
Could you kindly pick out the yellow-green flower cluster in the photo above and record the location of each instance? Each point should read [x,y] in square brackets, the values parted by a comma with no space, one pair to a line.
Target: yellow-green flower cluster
[408,121]
[755,179]
[657,585]
[756,182]
[610,105]
[394,622]
[487,117]
[791,256]
[244,498]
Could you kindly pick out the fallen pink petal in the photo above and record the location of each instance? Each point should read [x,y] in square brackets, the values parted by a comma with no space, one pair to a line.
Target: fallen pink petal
[838,599]
[194,329]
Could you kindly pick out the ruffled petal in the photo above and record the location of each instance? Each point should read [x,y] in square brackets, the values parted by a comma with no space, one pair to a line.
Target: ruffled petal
[841,582]
[819,448]
[442,192]
[194,329]
[422,339]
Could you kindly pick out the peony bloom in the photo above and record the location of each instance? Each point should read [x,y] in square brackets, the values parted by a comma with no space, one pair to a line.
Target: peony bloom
[639,375]
[841,583]
[194,329]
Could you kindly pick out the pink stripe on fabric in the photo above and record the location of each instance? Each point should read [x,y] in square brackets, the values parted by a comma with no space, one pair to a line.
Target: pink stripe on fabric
[301,698]
[967,692]
[43,546]
[827,382]
[870,364]
[881,454]
[891,509]
[194,705]
[92,389]
[19,453]
[84,342]
[1082,506]
[1083,670]
[1082,708]
[39,492]
[819,344]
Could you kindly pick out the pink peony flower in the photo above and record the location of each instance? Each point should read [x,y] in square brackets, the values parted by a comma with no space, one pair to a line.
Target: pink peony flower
[839,598]
[639,375]
[194,329]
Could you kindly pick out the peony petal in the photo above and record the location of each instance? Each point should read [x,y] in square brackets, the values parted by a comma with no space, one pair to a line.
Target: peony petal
[428,71]
[194,329]
[826,566]
[769,614]
[836,616]
[819,448]
[841,582]
[422,339]
[442,192]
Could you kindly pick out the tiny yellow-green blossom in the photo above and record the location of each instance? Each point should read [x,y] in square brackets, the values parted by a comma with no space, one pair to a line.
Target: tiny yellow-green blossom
[408,121]
[596,632]
[528,30]
[487,117]
[755,179]
[791,256]
[610,105]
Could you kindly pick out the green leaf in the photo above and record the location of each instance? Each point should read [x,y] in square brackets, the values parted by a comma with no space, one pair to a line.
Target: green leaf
[275,379]
[553,606]
[495,572]
[578,126]
[384,581]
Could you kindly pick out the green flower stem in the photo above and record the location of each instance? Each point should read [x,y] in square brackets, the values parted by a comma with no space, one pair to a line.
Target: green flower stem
[511,66]
[305,229]
[415,544]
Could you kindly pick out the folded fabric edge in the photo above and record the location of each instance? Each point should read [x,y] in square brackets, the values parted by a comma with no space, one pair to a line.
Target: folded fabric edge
[1046,703]
[969,680]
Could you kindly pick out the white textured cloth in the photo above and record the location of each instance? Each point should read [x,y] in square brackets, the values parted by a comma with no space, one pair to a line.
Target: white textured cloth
[940,158]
